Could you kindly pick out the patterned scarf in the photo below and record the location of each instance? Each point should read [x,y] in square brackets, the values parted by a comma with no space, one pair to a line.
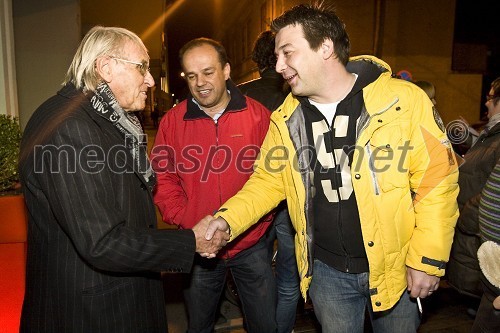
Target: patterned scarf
[105,105]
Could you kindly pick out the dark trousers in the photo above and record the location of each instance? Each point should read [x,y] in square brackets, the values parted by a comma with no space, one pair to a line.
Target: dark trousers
[254,280]
[287,276]
[487,317]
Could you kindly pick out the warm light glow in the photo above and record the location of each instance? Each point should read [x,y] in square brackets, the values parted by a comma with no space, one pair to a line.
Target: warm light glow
[182,74]
[217,12]
[161,19]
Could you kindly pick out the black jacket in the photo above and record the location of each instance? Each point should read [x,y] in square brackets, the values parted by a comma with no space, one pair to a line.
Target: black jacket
[463,268]
[269,89]
[94,256]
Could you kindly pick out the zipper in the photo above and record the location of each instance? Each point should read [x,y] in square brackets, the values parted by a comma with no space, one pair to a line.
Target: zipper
[339,209]
[372,168]
[216,149]
[218,173]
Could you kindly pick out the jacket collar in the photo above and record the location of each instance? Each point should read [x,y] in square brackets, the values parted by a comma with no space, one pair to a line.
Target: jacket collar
[237,103]
[495,129]
[81,99]
[382,66]
[367,70]
[375,76]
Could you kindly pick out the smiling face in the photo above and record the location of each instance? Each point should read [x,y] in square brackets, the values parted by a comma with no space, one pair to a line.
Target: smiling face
[126,81]
[301,66]
[206,78]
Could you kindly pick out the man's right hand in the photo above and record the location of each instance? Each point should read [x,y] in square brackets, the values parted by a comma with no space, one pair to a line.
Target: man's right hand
[217,225]
[209,246]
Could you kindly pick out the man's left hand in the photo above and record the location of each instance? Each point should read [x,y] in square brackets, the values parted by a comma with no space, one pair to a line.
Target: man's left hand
[421,284]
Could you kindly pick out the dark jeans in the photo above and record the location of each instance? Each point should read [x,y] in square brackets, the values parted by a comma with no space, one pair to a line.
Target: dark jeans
[254,280]
[340,300]
[287,276]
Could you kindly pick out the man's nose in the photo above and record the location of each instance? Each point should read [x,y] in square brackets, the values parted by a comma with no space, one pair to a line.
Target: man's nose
[149,80]
[280,64]
[200,80]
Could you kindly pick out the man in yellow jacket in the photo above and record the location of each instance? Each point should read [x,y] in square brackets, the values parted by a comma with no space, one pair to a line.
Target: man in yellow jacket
[369,176]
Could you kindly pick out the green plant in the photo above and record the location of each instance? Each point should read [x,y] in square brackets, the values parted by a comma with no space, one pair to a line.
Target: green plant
[10,139]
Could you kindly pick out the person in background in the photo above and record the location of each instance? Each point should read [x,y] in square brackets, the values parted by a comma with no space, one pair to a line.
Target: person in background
[368,174]
[270,89]
[464,136]
[429,89]
[203,154]
[94,254]
[155,115]
[455,134]
[488,314]
[493,111]
[463,269]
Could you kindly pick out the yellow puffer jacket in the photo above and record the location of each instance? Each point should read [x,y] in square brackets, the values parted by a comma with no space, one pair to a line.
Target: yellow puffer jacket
[404,175]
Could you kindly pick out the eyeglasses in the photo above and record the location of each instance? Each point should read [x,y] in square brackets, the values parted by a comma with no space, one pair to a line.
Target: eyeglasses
[490,97]
[142,66]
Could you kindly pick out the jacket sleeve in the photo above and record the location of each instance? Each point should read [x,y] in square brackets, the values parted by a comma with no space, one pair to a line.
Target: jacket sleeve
[433,174]
[169,195]
[262,192]
[95,207]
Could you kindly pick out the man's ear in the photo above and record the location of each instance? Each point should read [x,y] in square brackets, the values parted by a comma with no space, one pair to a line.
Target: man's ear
[227,71]
[104,68]
[327,49]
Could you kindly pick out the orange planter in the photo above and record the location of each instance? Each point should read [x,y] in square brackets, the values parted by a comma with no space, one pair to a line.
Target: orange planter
[13,225]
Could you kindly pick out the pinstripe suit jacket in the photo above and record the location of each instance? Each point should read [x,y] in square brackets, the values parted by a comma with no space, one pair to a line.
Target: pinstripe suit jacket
[94,254]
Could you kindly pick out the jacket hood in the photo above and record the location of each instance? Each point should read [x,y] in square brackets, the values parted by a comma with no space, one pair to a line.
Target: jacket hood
[367,69]
[382,65]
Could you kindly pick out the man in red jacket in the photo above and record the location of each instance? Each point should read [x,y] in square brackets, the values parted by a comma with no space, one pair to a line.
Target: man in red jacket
[203,154]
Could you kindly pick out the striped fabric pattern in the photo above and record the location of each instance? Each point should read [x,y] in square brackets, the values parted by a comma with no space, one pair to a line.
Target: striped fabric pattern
[489,207]
[94,253]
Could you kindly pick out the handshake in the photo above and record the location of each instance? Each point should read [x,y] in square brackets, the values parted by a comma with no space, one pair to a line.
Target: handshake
[211,235]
